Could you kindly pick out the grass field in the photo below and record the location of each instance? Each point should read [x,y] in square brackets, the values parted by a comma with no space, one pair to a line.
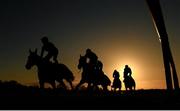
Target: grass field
[16,96]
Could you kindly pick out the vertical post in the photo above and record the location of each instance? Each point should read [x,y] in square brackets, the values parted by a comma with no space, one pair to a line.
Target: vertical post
[159,24]
[176,82]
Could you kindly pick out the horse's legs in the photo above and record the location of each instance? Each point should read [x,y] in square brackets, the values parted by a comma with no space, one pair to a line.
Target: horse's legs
[105,88]
[53,84]
[130,88]
[62,83]
[134,86]
[42,91]
[119,88]
[96,87]
[80,83]
[114,89]
[41,83]
[126,88]
[70,82]
[90,86]
[111,88]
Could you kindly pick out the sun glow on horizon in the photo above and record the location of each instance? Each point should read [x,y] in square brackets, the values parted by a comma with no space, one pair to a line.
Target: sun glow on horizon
[135,67]
[138,72]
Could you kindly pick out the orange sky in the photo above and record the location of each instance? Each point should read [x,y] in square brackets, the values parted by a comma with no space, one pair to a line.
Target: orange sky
[119,32]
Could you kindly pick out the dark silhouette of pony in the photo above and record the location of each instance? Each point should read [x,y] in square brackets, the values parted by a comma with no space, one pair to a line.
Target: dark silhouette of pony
[49,72]
[92,76]
[116,82]
[129,83]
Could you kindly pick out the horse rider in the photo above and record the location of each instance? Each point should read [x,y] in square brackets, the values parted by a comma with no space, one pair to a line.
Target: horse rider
[93,59]
[116,81]
[127,72]
[50,48]
[116,74]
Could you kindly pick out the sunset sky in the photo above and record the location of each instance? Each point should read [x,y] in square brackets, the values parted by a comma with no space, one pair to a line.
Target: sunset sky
[120,32]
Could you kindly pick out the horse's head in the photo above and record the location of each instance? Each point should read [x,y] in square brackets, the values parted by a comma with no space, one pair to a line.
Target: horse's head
[82,61]
[32,59]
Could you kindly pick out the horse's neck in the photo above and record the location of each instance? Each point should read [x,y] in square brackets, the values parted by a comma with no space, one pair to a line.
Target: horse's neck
[86,67]
[41,64]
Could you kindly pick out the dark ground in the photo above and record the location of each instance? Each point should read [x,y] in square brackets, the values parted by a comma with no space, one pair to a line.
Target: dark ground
[16,96]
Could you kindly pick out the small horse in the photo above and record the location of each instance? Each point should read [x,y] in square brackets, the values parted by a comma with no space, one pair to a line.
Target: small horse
[92,76]
[49,72]
[116,84]
[129,83]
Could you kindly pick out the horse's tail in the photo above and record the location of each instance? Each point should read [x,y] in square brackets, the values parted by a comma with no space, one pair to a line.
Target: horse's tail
[72,77]
[67,72]
[107,80]
[134,85]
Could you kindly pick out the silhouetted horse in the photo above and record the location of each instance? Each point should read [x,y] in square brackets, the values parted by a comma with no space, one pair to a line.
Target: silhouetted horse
[116,84]
[129,83]
[49,72]
[91,76]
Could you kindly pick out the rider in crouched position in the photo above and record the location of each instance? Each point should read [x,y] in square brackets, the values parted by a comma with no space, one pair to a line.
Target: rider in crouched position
[50,48]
